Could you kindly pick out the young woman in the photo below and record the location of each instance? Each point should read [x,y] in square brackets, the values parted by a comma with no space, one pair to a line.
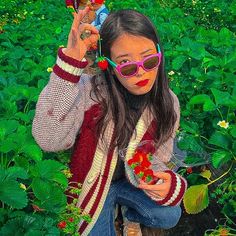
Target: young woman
[128,103]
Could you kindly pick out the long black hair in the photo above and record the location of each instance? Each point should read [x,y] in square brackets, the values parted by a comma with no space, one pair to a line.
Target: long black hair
[114,107]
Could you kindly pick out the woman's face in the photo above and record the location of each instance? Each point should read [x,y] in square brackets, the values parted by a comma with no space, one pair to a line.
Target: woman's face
[130,48]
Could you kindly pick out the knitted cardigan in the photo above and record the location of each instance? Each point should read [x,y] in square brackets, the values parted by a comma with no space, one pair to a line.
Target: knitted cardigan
[66,116]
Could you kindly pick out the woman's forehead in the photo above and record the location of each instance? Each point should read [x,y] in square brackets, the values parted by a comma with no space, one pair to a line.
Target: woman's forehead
[129,44]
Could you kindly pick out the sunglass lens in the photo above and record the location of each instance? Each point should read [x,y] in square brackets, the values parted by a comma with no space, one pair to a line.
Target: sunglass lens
[128,70]
[151,62]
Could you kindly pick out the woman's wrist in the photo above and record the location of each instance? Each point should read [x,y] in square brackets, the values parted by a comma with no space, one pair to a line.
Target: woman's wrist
[176,192]
[69,68]
[73,54]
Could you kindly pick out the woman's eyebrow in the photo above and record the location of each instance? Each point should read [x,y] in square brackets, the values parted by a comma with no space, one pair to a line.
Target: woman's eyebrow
[125,55]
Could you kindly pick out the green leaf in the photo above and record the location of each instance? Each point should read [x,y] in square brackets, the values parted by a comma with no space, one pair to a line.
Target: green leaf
[60,178]
[33,151]
[21,162]
[208,104]
[46,169]
[178,62]
[196,199]
[7,145]
[206,174]
[219,158]
[52,197]
[220,140]
[221,98]
[9,126]
[190,143]
[12,227]
[190,126]
[16,172]
[22,116]
[12,195]
[41,188]
[58,30]
[233,131]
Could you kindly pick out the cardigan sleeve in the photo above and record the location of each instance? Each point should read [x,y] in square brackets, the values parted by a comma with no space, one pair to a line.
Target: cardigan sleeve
[61,105]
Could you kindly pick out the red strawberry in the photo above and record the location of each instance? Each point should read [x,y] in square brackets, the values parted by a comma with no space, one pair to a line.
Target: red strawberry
[99,1]
[71,219]
[145,163]
[189,170]
[148,172]
[140,156]
[138,170]
[102,63]
[61,225]
[130,162]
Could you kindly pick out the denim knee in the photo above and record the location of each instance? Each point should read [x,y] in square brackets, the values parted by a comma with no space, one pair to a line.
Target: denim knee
[167,218]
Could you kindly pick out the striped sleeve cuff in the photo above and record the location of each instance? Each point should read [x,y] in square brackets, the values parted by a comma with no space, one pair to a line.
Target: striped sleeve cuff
[177,190]
[69,68]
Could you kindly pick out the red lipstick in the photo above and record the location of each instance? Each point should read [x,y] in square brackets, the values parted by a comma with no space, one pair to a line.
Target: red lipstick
[142,83]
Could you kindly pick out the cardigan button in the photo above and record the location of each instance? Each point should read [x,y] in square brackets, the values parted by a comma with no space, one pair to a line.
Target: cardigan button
[92,178]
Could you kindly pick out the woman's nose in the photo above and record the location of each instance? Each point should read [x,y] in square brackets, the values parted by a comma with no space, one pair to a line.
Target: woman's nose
[141,71]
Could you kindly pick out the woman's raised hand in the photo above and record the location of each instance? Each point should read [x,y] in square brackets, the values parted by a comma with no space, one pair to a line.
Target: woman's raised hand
[76,46]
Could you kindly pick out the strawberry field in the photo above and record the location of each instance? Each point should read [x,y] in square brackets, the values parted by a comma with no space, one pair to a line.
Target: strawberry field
[200,49]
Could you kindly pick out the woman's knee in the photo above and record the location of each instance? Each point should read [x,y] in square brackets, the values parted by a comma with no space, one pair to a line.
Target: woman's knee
[167,218]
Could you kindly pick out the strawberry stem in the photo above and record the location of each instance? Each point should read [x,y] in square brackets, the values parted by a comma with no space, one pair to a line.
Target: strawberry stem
[100,46]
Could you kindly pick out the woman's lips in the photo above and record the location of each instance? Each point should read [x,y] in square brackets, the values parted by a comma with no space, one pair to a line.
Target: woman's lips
[142,83]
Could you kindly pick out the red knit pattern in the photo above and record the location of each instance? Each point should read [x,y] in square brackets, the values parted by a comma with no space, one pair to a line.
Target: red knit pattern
[172,188]
[65,75]
[84,147]
[181,193]
[70,60]
[98,198]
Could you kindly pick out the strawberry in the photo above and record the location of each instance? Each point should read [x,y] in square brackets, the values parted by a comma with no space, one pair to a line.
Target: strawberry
[189,170]
[130,162]
[145,163]
[148,172]
[140,156]
[71,219]
[138,170]
[61,225]
[98,1]
[102,63]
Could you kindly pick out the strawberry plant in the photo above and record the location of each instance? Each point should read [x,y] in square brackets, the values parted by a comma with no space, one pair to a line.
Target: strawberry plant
[33,184]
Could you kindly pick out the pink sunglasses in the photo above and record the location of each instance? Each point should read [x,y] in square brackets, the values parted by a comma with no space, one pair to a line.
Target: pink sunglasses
[130,69]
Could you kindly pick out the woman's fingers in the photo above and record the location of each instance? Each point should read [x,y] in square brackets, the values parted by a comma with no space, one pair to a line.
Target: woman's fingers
[91,40]
[83,13]
[156,187]
[78,17]
[156,194]
[163,175]
[88,27]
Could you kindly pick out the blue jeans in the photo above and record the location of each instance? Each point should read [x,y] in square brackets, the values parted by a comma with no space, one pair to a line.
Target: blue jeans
[140,208]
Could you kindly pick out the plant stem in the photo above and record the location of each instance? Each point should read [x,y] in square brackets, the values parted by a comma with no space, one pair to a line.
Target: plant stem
[213,181]
[227,114]
[26,106]
[220,113]
[2,158]
[204,138]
